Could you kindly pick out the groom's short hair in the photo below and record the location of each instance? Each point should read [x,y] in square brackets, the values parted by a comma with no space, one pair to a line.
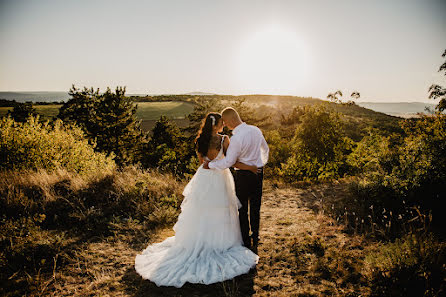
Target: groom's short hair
[230,112]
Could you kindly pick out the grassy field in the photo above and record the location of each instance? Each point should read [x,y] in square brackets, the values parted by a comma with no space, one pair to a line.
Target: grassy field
[45,111]
[148,112]
[91,252]
[302,253]
[172,110]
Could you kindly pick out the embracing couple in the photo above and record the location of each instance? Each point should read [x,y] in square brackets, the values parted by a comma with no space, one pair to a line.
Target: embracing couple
[212,241]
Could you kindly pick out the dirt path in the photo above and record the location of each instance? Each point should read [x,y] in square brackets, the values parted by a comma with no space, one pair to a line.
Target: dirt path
[302,253]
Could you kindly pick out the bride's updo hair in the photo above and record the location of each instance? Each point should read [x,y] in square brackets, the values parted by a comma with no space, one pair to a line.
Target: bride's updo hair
[205,133]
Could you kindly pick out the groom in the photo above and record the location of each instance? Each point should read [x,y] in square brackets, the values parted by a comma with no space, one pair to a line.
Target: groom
[247,146]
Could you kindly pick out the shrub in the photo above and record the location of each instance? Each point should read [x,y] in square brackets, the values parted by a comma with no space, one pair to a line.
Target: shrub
[410,266]
[423,154]
[279,152]
[319,148]
[402,187]
[374,153]
[68,200]
[22,111]
[33,145]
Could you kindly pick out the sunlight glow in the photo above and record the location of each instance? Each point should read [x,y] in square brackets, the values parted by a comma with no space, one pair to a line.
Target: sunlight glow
[274,61]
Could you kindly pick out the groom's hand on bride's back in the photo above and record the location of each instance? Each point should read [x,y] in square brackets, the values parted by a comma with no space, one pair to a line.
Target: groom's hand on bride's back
[206,164]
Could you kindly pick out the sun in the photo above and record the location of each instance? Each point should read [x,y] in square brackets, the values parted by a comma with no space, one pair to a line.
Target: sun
[272,61]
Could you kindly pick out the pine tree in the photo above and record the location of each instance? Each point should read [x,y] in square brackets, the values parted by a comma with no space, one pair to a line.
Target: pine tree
[162,144]
[80,109]
[169,149]
[22,111]
[118,129]
[109,119]
[164,132]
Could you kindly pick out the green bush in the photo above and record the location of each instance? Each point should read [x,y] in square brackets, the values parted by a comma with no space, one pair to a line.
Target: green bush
[319,147]
[410,266]
[403,178]
[33,145]
[280,150]
[423,154]
[373,153]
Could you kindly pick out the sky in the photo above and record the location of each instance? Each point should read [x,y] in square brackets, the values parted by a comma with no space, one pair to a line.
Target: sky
[388,50]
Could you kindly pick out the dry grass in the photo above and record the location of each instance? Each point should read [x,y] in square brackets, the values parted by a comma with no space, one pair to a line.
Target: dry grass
[302,253]
[52,222]
[305,253]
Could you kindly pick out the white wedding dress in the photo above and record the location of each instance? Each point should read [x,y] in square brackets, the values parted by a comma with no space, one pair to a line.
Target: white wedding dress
[207,246]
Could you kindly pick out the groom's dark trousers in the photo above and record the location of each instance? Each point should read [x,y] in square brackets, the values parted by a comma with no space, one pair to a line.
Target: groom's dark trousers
[248,187]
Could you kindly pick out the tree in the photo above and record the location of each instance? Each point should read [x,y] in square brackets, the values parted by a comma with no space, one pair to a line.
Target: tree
[108,119]
[319,147]
[8,103]
[333,97]
[354,96]
[118,129]
[80,109]
[168,149]
[22,111]
[164,132]
[320,133]
[437,91]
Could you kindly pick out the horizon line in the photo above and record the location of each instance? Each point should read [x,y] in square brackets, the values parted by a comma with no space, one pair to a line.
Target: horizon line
[197,93]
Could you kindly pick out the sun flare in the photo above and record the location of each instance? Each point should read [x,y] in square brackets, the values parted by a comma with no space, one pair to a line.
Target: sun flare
[274,61]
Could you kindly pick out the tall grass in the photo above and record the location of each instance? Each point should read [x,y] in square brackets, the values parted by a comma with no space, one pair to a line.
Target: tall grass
[410,266]
[45,216]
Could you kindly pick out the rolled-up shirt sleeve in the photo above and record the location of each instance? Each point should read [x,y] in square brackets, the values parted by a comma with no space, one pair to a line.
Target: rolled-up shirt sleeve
[232,154]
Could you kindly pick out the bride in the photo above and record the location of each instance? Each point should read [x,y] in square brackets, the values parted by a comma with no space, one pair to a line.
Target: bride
[207,246]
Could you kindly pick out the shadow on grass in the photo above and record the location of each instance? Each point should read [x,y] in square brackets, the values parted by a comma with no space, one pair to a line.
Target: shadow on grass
[242,285]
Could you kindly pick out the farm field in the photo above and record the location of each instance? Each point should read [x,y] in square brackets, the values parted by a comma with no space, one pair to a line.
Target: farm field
[45,111]
[172,110]
[148,112]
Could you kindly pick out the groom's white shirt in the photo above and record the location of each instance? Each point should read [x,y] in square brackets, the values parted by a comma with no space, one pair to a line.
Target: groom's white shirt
[247,146]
